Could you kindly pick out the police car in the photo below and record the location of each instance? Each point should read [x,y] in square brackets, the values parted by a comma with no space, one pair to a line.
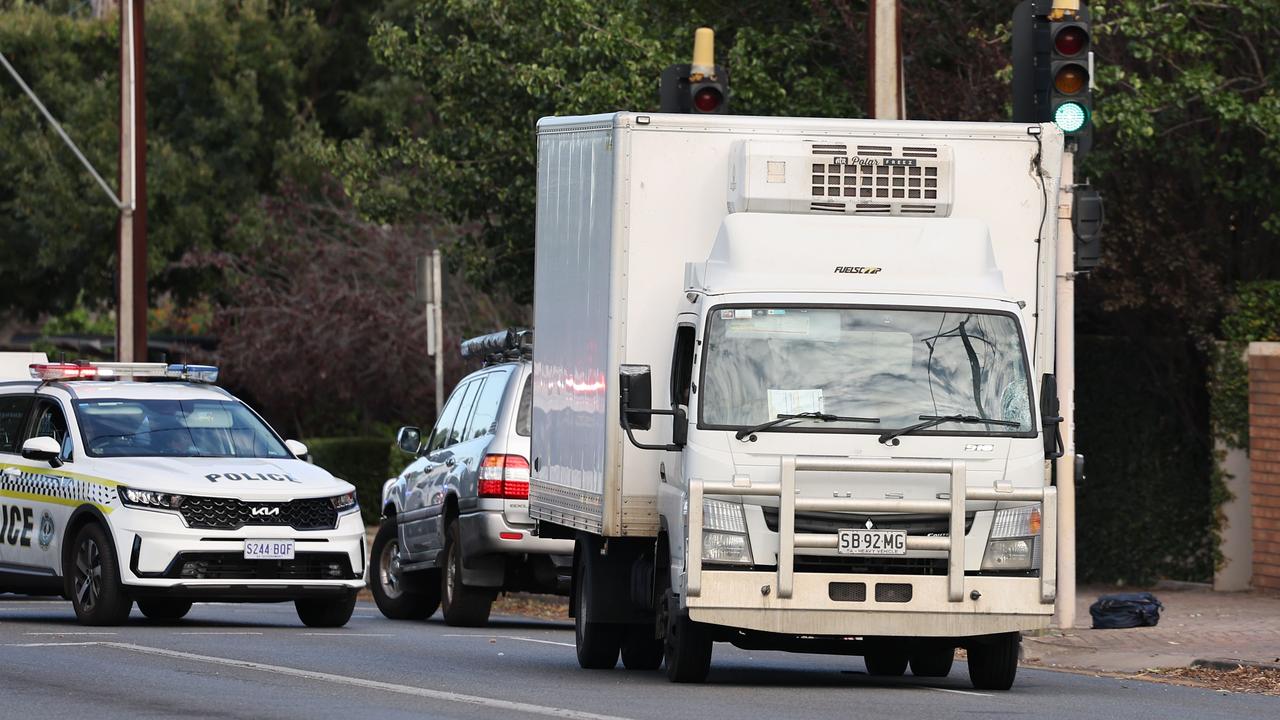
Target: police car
[147,483]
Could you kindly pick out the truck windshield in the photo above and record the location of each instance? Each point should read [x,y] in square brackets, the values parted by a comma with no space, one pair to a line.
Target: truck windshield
[175,428]
[869,362]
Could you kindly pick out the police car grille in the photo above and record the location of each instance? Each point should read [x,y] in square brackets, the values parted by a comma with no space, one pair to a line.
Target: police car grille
[233,566]
[229,514]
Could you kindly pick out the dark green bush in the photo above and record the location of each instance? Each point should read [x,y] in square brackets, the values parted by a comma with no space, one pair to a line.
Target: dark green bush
[361,461]
[1144,509]
[1254,317]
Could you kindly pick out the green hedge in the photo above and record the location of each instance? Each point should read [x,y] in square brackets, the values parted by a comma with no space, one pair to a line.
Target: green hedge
[1145,508]
[361,461]
[1254,317]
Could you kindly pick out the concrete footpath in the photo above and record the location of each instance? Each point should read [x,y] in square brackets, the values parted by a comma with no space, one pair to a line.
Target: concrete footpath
[1197,624]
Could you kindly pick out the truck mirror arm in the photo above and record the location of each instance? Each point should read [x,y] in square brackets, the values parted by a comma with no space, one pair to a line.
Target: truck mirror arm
[675,412]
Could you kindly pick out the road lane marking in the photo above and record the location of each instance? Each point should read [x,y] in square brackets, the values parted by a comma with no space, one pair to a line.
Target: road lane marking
[508,637]
[219,632]
[478,700]
[958,692]
[52,644]
[71,633]
[347,634]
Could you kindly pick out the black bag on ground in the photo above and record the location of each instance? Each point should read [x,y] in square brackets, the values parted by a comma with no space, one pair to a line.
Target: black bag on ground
[1126,610]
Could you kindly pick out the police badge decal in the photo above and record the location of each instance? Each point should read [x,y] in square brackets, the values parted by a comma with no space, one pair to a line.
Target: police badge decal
[46,530]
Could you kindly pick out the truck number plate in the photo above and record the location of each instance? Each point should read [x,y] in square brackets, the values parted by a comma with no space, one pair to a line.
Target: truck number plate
[268,549]
[873,542]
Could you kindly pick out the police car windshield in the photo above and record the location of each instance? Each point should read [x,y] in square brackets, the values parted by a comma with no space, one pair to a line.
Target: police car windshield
[175,428]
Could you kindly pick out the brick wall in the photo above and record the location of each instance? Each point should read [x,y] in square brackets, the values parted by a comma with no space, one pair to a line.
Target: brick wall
[1264,462]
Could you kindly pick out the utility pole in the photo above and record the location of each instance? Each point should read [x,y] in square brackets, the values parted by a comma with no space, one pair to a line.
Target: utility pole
[430,293]
[885,86]
[131,312]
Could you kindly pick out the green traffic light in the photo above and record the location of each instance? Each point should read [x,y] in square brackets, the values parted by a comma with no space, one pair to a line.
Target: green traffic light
[1071,117]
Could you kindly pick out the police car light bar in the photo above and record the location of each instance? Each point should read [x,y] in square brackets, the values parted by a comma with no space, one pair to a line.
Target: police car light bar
[123,371]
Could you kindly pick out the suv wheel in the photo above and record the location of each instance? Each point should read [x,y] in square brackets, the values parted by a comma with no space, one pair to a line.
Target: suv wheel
[326,612]
[463,605]
[164,609]
[96,592]
[399,595]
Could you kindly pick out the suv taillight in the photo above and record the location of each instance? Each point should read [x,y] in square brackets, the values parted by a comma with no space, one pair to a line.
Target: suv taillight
[504,476]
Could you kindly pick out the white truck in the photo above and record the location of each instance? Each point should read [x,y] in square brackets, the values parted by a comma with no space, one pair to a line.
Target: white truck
[850,324]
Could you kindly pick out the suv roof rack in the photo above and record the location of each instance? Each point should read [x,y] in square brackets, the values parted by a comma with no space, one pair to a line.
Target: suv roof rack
[499,347]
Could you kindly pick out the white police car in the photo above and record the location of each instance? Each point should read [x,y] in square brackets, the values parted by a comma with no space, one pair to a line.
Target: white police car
[124,482]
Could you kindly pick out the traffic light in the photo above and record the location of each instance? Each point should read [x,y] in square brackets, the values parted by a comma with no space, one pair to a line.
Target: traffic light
[1053,67]
[697,87]
[1071,97]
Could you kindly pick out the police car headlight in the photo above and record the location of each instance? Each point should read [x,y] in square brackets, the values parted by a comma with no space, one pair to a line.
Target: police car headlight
[149,499]
[345,503]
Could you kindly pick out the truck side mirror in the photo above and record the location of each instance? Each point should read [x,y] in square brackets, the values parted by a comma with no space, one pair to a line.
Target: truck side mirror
[636,387]
[1050,419]
[679,427]
[409,439]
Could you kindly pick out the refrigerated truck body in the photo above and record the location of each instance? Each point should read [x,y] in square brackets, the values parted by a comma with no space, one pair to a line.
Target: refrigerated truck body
[845,331]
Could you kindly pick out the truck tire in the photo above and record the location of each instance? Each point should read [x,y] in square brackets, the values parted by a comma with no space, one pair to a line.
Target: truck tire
[399,595]
[885,662]
[463,605]
[326,612]
[932,662]
[97,595]
[164,609]
[687,647]
[640,649]
[597,643]
[993,664]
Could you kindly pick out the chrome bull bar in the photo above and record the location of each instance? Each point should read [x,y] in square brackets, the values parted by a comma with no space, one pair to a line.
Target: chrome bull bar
[953,506]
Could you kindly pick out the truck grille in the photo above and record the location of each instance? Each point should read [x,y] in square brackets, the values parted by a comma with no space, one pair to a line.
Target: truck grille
[871,565]
[212,513]
[233,566]
[828,523]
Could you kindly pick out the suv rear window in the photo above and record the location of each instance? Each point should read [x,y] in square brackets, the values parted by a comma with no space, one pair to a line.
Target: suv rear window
[524,416]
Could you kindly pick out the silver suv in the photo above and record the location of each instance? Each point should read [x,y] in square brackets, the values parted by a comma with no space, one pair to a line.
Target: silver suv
[455,527]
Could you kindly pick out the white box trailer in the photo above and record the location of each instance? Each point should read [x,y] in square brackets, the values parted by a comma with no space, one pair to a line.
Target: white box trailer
[660,237]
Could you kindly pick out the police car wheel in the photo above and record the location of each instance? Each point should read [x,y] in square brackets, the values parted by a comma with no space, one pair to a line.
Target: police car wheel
[164,609]
[400,595]
[96,592]
[326,612]
[462,604]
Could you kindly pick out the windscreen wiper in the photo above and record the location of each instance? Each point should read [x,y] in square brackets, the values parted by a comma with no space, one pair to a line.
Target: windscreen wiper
[825,417]
[932,420]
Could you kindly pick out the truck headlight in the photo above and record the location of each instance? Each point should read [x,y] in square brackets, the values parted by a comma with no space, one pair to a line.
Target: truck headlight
[1013,544]
[724,533]
[149,499]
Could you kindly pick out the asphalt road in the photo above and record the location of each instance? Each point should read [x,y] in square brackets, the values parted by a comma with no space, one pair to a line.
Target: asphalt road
[258,661]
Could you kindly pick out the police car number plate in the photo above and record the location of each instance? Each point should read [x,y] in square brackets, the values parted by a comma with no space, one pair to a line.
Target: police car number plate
[268,549]
[872,542]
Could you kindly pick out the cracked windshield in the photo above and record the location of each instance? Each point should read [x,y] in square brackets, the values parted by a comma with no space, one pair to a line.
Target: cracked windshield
[900,366]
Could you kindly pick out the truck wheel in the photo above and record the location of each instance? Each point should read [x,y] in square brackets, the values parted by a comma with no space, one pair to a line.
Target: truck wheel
[885,663]
[164,609]
[96,592]
[463,605]
[993,664]
[597,643]
[326,612]
[399,595]
[640,649]
[687,647]
[932,662]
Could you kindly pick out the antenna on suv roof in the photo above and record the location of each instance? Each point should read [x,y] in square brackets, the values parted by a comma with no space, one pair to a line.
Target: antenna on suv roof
[502,346]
